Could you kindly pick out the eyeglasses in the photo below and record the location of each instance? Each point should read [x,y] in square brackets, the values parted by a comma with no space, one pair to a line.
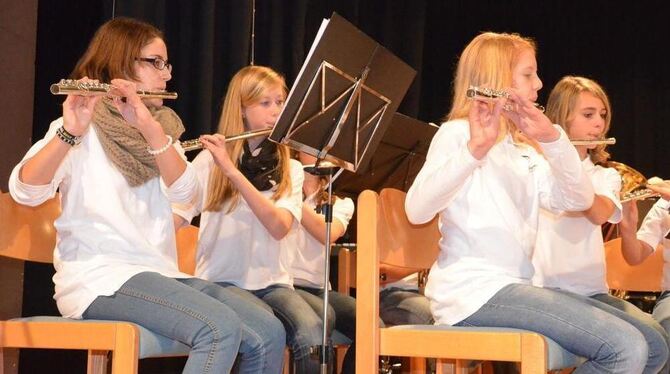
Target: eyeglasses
[157,62]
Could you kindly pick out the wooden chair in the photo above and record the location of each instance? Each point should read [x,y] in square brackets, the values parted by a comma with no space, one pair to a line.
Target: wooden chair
[645,277]
[28,234]
[187,246]
[385,236]
[346,280]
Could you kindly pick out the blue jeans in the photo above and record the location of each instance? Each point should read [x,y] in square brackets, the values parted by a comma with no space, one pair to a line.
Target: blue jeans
[656,336]
[398,306]
[610,344]
[344,314]
[661,313]
[303,324]
[213,321]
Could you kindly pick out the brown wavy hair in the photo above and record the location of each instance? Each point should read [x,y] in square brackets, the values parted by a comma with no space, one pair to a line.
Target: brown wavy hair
[114,49]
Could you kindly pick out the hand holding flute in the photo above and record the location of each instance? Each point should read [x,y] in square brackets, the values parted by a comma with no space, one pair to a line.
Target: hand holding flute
[95,88]
[194,144]
[481,93]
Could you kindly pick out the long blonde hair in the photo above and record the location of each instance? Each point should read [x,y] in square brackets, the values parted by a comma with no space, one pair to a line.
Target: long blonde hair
[561,107]
[246,88]
[488,61]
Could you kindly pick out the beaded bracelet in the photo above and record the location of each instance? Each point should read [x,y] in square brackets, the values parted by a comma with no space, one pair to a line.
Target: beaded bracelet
[164,148]
[68,138]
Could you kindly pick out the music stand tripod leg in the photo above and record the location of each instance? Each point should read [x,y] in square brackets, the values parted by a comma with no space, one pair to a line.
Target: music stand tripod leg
[327,210]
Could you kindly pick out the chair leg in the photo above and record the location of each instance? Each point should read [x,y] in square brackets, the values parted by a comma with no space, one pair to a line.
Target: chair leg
[444,366]
[417,365]
[340,352]
[125,356]
[97,362]
[487,367]
[287,361]
[533,354]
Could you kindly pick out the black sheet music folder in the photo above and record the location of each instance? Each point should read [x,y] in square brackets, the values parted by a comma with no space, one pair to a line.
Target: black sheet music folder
[344,96]
[396,161]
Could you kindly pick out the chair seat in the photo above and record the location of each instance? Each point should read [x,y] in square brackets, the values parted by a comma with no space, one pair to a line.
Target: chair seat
[156,345]
[557,356]
[151,343]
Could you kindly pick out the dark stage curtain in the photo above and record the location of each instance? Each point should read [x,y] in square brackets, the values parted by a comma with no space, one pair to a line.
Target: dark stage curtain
[618,44]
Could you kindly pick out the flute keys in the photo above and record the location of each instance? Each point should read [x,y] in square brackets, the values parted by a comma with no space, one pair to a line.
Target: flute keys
[640,194]
[489,93]
[65,86]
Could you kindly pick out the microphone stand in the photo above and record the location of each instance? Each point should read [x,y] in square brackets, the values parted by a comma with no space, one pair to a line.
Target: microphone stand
[327,209]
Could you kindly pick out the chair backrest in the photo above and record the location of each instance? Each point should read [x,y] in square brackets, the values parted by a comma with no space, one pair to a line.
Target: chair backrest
[643,277]
[405,248]
[346,270]
[187,245]
[27,233]
[384,235]
[401,243]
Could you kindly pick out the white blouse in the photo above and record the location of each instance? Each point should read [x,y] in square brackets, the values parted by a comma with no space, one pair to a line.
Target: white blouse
[107,231]
[235,247]
[488,213]
[308,263]
[653,231]
[570,251]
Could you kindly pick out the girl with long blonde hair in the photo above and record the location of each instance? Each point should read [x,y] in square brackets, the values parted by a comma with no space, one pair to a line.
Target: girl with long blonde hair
[569,253]
[486,181]
[252,201]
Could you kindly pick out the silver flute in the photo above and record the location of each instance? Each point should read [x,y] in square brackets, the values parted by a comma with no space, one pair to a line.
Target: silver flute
[72,86]
[607,141]
[489,93]
[641,194]
[193,144]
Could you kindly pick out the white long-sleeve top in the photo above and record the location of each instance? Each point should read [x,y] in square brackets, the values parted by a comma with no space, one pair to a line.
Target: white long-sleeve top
[653,231]
[488,212]
[570,253]
[308,263]
[234,246]
[107,231]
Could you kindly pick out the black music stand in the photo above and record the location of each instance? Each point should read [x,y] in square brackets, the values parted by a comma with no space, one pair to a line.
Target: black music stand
[338,108]
[396,161]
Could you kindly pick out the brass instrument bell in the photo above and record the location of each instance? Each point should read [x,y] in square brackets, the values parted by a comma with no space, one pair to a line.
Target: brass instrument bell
[633,183]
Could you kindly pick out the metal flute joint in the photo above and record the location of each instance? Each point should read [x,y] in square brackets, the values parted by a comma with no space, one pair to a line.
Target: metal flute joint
[474,92]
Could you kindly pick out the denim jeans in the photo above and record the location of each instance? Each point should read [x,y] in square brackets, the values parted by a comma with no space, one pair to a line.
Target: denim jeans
[661,313]
[213,321]
[303,324]
[610,344]
[344,316]
[398,306]
[656,336]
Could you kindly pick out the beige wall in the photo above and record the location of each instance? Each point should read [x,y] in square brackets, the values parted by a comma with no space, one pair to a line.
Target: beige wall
[18,29]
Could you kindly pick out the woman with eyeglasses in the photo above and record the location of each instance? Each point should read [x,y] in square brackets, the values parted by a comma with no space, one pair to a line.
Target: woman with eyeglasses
[116,167]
